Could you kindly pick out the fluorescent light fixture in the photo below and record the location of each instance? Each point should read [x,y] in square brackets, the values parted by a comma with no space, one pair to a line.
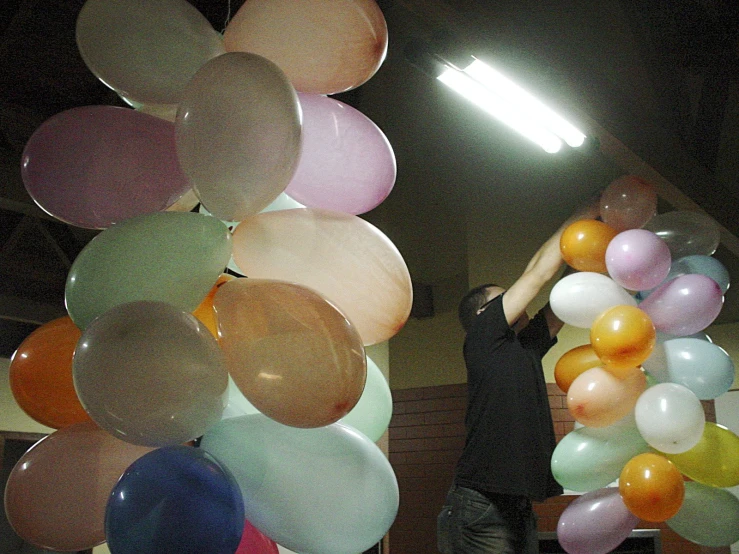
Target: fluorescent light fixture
[512,105]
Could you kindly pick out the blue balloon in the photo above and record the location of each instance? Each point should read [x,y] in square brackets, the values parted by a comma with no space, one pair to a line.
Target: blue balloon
[699,264]
[178,500]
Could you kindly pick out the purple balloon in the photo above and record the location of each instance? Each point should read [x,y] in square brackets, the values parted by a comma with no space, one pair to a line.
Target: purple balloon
[346,164]
[596,522]
[638,259]
[685,305]
[98,165]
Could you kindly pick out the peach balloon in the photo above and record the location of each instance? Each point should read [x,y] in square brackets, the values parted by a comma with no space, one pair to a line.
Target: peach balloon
[41,375]
[597,398]
[204,312]
[56,494]
[583,245]
[341,256]
[623,337]
[574,362]
[628,203]
[324,46]
[291,352]
[651,487]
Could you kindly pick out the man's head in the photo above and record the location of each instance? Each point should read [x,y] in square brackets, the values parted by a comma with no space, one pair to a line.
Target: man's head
[475,301]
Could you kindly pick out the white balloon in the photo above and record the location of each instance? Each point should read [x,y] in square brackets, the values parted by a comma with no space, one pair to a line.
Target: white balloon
[579,298]
[670,418]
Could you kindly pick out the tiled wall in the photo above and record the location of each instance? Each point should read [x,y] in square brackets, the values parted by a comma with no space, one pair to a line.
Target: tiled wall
[426,438]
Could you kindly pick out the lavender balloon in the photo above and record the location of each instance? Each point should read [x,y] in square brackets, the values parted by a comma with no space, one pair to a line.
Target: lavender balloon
[684,305]
[596,522]
[98,165]
[638,259]
[347,164]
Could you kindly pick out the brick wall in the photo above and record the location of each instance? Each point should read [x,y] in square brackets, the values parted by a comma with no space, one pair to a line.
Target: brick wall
[426,438]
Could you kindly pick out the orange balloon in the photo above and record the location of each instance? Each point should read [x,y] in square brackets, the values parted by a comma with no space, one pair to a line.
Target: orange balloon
[651,487]
[596,398]
[583,245]
[324,47]
[572,363]
[623,337]
[292,353]
[204,312]
[41,375]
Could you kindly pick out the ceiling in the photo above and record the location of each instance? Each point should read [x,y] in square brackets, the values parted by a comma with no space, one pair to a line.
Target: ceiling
[653,83]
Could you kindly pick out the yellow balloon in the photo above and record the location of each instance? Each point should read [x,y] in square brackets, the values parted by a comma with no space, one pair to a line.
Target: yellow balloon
[714,460]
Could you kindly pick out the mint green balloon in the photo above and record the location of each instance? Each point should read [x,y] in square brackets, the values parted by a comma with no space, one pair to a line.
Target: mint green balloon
[708,516]
[173,257]
[590,458]
[372,414]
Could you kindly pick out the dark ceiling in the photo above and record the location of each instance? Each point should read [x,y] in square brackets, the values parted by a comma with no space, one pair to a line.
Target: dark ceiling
[658,76]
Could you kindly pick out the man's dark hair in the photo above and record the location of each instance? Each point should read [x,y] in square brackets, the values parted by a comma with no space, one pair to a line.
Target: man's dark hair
[470,303]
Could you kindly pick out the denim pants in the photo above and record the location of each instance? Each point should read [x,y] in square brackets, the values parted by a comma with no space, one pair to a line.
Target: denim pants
[473,523]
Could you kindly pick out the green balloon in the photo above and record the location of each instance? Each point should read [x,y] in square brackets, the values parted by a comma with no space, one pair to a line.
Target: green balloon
[709,516]
[590,458]
[173,257]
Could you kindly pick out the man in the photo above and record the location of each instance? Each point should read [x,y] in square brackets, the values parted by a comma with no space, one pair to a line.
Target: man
[505,463]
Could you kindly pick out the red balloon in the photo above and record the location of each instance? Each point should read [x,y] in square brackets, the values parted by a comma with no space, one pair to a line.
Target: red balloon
[254,542]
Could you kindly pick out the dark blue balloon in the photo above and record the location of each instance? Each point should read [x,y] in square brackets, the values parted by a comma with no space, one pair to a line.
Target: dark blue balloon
[176,499]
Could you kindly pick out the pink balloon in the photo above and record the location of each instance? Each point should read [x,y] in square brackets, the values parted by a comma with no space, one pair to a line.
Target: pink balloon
[347,164]
[254,542]
[56,494]
[98,165]
[684,305]
[597,398]
[596,522]
[628,203]
[638,259]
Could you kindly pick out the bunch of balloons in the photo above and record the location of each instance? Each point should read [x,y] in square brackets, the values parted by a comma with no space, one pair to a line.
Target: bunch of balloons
[646,286]
[197,410]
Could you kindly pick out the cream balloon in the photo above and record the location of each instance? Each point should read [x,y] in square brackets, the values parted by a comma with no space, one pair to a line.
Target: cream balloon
[579,298]
[343,257]
[596,398]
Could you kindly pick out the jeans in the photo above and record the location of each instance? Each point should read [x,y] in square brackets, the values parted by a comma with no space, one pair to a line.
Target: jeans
[473,523]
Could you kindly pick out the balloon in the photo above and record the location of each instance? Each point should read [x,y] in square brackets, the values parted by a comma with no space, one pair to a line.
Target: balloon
[172,257]
[628,203]
[703,367]
[638,259]
[684,305]
[697,263]
[595,523]
[579,298]
[291,352]
[236,403]
[176,499]
[622,337]
[708,516]
[341,256]
[150,374]
[204,312]
[589,458]
[238,134]
[670,418]
[686,232]
[346,163]
[572,363]
[597,398]
[56,494]
[254,542]
[651,487]
[583,245]
[283,202]
[714,460]
[40,375]
[373,412]
[97,165]
[323,47]
[328,489]
[147,50]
